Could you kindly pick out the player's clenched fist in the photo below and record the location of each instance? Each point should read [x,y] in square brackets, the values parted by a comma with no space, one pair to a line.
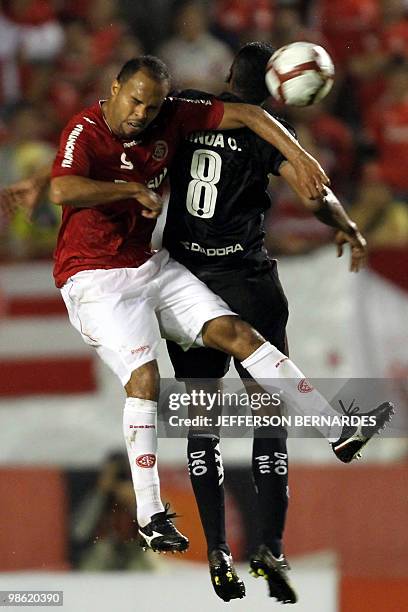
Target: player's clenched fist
[151,201]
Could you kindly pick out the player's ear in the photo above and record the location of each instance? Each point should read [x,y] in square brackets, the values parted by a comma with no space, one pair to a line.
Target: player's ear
[115,87]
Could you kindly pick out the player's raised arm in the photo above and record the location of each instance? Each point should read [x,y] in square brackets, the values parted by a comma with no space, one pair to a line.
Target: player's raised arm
[82,192]
[75,191]
[327,208]
[312,179]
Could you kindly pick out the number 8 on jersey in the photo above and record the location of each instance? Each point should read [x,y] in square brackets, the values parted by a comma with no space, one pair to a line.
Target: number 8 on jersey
[206,172]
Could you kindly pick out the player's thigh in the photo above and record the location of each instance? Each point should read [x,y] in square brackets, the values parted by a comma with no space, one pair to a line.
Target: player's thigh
[258,298]
[122,328]
[197,363]
[185,305]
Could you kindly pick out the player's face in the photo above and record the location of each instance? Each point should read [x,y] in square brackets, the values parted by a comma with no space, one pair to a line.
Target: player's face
[135,103]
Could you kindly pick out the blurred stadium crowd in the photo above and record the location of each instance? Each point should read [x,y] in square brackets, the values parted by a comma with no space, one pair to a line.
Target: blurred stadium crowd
[57,56]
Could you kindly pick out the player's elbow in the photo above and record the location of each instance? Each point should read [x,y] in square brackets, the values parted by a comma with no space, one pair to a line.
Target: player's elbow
[311,204]
[58,192]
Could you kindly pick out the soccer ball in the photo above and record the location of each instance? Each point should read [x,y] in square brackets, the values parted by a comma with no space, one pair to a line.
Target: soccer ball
[300,74]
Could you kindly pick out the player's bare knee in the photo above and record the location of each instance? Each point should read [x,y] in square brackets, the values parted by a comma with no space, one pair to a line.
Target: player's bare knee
[247,340]
[144,382]
[232,335]
[218,332]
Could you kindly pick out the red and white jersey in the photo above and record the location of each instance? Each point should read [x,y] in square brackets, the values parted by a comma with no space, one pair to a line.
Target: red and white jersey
[116,235]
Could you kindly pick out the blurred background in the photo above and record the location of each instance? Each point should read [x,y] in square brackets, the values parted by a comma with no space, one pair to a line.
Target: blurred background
[67,509]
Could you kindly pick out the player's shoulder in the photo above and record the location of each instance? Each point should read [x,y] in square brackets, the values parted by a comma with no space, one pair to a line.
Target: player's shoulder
[86,120]
[228,96]
[205,96]
[188,98]
[286,124]
[193,94]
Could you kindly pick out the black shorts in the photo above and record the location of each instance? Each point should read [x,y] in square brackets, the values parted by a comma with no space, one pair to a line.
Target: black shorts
[257,296]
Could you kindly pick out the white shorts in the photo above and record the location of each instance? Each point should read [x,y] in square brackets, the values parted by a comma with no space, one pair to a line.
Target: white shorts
[124,312]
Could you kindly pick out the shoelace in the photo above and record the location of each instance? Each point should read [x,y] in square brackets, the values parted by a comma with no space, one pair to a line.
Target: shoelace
[166,515]
[351,410]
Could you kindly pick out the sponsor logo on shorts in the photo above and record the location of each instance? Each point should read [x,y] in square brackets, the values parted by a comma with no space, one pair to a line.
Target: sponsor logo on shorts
[304,386]
[140,349]
[160,150]
[281,361]
[70,146]
[146,461]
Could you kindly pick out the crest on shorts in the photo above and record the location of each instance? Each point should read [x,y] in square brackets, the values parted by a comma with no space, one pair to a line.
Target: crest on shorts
[146,461]
[160,150]
[304,386]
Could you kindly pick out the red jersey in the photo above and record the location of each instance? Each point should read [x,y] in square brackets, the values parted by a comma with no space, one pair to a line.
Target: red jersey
[116,235]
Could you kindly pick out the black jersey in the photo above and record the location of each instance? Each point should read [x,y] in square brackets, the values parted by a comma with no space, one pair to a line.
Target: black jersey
[215,218]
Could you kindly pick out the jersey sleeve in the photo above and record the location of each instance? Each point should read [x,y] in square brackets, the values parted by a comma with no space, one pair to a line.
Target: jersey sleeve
[74,152]
[199,114]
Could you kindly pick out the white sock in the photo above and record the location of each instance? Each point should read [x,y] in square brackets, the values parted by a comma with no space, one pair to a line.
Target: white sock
[139,429]
[268,362]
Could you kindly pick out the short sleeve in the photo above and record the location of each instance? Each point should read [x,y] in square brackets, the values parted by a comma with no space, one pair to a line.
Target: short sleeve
[73,156]
[199,114]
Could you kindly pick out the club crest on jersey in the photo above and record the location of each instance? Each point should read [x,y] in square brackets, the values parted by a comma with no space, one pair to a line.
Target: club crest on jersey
[304,386]
[146,461]
[160,150]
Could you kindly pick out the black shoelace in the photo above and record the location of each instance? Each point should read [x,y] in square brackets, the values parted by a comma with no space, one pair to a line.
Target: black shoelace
[166,515]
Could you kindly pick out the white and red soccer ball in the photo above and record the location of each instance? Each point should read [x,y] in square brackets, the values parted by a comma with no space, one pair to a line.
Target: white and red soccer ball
[300,74]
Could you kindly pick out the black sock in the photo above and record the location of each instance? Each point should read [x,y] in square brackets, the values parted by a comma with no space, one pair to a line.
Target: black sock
[270,473]
[207,477]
